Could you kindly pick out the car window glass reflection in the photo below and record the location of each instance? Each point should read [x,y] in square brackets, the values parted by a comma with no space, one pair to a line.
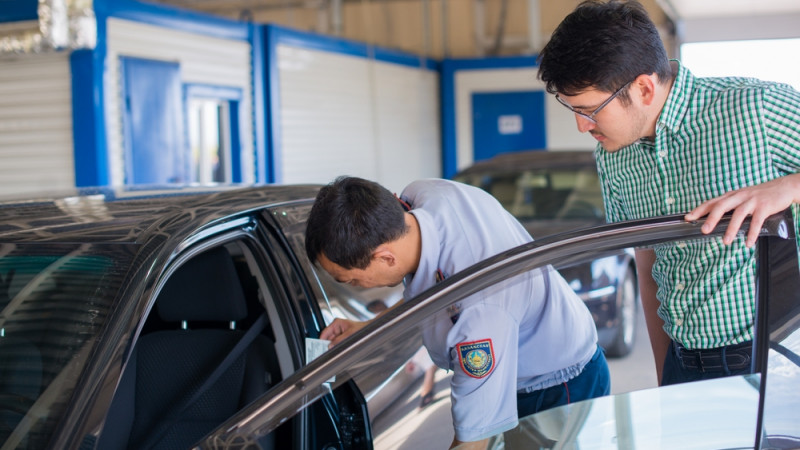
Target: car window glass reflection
[180,382]
[54,300]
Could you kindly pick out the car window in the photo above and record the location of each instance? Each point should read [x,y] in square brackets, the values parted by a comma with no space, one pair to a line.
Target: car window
[718,413]
[181,380]
[54,300]
[543,194]
[781,417]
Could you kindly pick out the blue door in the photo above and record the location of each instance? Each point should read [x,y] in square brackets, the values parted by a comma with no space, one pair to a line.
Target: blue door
[155,152]
[506,122]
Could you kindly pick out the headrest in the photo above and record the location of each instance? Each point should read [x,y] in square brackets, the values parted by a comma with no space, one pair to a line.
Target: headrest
[205,288]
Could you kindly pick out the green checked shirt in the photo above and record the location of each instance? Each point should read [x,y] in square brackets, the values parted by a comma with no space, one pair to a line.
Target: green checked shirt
[714,135]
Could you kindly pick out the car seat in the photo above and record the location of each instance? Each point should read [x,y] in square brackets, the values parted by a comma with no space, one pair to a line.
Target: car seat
[167,367]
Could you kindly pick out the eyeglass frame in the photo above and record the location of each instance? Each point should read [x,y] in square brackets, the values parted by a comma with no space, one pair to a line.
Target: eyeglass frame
[590,116]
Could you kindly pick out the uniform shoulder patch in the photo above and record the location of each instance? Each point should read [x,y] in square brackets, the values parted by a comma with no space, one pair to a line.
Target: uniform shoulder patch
[476,358]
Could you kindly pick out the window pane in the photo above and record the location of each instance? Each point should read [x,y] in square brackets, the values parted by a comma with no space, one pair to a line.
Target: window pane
[207,122]
[768,60]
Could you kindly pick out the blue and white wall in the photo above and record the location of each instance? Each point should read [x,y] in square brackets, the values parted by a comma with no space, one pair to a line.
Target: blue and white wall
[62,114]
[310,107]
[204,59]
[494,105]
[344,108]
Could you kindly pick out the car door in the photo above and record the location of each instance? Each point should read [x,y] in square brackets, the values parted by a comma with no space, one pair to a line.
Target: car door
[227,322]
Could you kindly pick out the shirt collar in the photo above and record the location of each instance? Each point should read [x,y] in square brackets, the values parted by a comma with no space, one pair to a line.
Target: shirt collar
[423,278]
[677,105]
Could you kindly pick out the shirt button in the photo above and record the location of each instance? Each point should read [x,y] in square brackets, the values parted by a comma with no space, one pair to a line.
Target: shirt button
[679,322]
[670,200]
[662,153]
[679,287]
[681,245]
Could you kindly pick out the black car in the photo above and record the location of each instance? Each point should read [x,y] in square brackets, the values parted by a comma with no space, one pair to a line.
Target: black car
[117,309]
[552,192]
[178,319]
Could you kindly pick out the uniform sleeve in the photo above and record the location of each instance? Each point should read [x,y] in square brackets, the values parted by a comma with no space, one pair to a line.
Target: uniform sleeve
[483,347]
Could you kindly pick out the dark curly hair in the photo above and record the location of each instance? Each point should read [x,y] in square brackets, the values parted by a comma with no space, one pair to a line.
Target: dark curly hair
[603,45]
[350,218]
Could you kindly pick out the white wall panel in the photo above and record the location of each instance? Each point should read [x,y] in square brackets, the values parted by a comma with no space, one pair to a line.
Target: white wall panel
[203,60]
[349,115]
[35,123]
[326,117]
[408,134]
[561,128]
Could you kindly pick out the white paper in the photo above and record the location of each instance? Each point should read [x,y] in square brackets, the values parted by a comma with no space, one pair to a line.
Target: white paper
[315,348]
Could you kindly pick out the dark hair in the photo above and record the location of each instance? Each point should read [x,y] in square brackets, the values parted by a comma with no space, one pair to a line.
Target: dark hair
[350,218]
[603,45]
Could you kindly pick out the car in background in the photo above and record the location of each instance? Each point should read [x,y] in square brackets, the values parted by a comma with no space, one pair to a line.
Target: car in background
[552,192]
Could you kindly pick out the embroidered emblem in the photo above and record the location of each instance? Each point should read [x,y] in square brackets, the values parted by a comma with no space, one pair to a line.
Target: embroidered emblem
[476,358]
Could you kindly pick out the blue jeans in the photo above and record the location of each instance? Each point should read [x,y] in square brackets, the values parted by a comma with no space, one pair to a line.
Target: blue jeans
[593,381]
[682,365]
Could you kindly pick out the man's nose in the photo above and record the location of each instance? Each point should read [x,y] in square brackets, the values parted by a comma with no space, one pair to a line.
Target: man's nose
[584,124]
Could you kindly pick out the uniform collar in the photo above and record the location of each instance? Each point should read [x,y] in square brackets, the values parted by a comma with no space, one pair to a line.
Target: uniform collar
[423,278]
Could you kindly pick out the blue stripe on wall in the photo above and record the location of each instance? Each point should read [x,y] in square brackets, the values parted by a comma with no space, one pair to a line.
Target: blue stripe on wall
[18,10]
[276,35]
[313,41]
[272,36]
[172,17]
[88,129]
[263,155]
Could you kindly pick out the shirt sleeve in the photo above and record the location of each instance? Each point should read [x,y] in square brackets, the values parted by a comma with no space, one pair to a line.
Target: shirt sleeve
[782,124]
[483,351]
[610,202]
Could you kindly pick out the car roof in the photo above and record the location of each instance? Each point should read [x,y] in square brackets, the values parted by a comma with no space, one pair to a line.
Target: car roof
[532,159]
[127,215]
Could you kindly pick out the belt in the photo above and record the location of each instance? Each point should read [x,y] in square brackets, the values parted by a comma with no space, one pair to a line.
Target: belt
[736,357]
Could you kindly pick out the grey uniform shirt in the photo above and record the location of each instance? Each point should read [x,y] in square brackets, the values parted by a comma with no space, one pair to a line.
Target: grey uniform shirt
[531,332]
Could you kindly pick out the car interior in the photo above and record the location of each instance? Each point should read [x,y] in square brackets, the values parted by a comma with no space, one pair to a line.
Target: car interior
[210,329]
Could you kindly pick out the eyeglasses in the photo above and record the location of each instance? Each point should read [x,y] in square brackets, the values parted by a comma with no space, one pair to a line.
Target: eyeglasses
[590,117]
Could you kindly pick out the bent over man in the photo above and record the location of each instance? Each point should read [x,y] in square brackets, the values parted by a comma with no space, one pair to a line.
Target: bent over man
[522,346]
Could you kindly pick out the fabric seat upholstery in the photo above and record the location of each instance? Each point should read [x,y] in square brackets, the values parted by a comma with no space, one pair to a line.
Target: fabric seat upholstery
[169,366]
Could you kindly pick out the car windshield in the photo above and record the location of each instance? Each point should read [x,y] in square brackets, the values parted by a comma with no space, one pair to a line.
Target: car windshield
[543,194]
[54,301]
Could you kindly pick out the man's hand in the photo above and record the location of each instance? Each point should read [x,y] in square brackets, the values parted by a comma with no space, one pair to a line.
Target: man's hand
[340,329]
[759,201]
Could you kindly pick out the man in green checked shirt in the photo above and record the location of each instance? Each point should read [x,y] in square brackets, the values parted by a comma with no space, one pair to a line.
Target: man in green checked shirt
[669,142]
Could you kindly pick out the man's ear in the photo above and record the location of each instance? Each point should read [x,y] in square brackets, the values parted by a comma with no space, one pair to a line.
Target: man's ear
[384,254]
[644,87]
